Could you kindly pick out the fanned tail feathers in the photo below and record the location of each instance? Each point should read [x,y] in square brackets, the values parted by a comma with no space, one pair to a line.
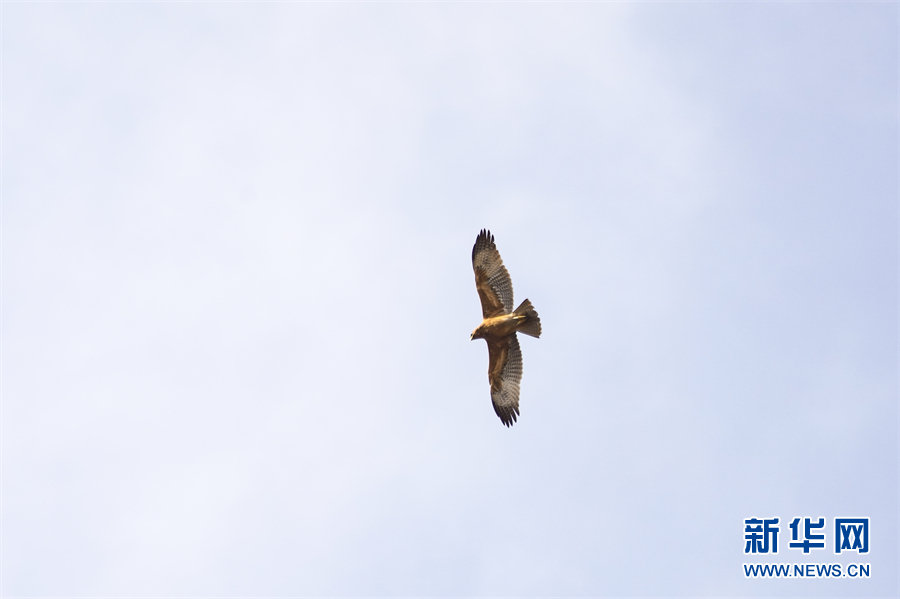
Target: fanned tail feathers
[532,323]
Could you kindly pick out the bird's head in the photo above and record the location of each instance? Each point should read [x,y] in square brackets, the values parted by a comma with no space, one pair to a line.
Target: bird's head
[477,333]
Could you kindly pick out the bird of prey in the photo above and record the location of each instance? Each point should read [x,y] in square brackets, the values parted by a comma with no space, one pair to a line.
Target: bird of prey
[500,325]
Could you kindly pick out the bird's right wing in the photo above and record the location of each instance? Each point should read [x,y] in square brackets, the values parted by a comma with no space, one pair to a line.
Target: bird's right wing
[491,279]
[505,373]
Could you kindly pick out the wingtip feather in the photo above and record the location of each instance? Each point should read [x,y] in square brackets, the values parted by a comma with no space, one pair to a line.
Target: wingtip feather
[484,241]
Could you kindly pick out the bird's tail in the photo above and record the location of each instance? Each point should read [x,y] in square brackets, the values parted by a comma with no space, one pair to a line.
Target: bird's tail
[532,323]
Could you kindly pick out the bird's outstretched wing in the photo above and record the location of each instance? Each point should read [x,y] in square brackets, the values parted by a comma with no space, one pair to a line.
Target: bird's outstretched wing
[505,373]
[491,279]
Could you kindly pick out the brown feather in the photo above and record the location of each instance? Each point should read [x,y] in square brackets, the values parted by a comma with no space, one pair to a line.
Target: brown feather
[505,384]
[491,277]
[498,351]
[490,303]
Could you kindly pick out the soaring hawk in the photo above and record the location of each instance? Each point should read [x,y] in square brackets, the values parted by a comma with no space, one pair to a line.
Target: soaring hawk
[500,325]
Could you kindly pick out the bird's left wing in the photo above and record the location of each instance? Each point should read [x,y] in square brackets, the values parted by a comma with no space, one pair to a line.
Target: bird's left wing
[505,373]
[491,278]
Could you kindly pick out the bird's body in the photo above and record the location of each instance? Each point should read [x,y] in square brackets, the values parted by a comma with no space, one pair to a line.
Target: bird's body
[499,326]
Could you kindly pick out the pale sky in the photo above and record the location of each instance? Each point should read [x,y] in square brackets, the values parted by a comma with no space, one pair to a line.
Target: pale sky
[237,296]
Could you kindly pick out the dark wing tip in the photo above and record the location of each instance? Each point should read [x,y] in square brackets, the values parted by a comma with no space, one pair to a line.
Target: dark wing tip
[484,241]
[507,416]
